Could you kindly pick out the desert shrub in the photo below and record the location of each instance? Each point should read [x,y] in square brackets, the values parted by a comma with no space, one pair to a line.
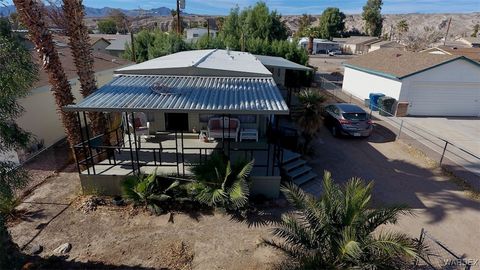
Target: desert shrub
[151,191]
[219,183]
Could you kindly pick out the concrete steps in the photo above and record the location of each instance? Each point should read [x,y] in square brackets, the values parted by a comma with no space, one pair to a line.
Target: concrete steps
[296,169]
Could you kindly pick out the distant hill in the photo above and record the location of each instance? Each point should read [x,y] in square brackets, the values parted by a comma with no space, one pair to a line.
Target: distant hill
[102,12]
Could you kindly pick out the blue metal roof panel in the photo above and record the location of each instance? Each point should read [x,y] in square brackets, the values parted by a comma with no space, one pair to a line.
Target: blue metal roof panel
[254,95]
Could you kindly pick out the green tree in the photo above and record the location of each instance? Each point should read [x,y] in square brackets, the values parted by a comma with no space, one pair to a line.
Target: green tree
[402,26]
[231,31]
[5,28]
[107,26]
[332,23]
[476,29]
[16,79]
[373,17]
[338,230]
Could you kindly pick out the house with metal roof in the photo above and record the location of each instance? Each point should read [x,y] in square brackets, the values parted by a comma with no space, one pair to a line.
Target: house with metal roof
[427,84]
[171,112]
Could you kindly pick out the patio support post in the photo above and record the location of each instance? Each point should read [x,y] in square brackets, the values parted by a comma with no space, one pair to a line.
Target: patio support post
[183,154]
[89,143]
[129,142]
[83,145]
[268,158]
[176,152]
[228,151]
[137,144]
[223,133]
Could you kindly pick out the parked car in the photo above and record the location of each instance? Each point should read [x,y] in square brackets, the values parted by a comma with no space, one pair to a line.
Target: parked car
[347,119]
[334,52]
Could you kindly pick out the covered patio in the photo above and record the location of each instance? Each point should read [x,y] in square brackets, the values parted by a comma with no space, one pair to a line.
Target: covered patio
[135,147]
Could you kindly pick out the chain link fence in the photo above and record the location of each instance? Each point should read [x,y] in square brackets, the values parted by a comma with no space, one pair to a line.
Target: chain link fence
[448,154]
[438,256]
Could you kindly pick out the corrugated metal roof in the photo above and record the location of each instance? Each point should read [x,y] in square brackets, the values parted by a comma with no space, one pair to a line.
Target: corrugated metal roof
[274,61]
[236,95]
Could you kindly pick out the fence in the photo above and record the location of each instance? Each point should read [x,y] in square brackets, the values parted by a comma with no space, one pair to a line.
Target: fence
[439,256]
[449,154]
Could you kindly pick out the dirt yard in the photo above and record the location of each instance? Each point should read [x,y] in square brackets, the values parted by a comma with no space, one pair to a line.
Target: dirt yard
[118,236]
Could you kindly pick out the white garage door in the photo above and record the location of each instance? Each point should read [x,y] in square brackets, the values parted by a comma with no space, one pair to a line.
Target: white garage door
[444,99]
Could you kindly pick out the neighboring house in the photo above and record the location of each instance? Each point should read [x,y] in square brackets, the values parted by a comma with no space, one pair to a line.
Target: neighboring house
[386,44]
[320,46]
[431,84]
[117,42]
[472,53]
[473,42]
[279,66]
[99,44]
[41,117]
[195,33]
[358,44]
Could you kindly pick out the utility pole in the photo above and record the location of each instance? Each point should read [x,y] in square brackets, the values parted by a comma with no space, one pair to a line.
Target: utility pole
[208,30]
[178,17]
[448,29]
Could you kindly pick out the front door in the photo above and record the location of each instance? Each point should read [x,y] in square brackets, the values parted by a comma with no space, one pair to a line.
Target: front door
[176,121]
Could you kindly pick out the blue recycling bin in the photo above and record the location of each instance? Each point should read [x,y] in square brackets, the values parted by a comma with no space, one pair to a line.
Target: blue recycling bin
[374,100]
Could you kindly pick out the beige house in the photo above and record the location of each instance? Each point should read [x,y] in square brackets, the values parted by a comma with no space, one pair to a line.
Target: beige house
[41,117]
[357,44]
[386,44]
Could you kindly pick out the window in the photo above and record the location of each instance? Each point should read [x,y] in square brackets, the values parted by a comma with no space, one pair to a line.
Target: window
[195,35]
[355,116]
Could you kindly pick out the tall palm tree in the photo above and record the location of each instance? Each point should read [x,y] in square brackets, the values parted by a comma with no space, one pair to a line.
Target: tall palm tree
[311,33]
[30,13]
[219,183]
[79,42]
[309,121]
[338,230]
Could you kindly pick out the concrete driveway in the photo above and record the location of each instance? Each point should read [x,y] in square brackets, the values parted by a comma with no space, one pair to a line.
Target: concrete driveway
[461,132]
[402,175]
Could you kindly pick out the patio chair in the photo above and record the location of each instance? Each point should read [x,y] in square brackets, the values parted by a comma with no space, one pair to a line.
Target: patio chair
[141,126]
[223,127]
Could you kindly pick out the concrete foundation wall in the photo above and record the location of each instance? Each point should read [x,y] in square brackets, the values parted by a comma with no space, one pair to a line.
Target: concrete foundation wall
[268,186]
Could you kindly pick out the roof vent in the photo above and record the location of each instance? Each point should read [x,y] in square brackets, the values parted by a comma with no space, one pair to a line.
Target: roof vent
[398,55]
[162,89]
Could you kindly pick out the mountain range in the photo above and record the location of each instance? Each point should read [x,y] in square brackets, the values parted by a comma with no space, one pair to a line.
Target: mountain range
[102,12]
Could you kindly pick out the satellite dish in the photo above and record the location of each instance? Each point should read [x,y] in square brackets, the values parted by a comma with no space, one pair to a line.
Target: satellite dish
[162,89]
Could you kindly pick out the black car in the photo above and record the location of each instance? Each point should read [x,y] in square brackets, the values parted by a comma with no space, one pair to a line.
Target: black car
[347,119]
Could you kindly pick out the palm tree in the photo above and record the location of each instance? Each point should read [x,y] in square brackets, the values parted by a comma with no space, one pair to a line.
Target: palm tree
[402,27]
[221,184]
[311,33]
[310,121]
[336,231]
[30,13]
[79,42]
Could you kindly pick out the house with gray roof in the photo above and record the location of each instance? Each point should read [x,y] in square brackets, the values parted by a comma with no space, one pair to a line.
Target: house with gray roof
[429,84]
[170,113]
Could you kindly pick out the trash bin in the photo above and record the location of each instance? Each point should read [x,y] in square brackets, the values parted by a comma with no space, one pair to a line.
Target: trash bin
[374,100]
[386,105]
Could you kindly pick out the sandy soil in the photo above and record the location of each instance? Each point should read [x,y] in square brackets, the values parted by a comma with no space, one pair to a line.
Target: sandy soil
[119,236]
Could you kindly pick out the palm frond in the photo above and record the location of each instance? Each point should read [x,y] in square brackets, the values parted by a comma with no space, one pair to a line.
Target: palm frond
[391,244]
[239,193]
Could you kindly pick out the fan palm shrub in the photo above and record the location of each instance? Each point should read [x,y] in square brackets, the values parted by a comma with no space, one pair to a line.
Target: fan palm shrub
[338,230]
[310,120]
[221,183]
[150,191]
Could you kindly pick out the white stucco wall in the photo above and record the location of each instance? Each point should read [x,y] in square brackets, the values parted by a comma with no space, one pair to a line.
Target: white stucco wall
[361,84]
[41,117]
[462,73]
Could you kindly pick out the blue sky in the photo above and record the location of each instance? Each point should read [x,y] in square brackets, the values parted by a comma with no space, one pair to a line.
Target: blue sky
[300,6]
[286,7]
